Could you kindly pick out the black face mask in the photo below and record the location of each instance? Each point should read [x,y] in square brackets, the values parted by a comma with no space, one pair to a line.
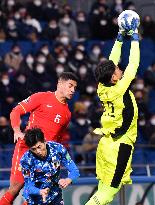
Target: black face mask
[17,53]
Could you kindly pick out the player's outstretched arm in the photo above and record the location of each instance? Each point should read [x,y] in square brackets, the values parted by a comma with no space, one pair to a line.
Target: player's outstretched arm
[116,50]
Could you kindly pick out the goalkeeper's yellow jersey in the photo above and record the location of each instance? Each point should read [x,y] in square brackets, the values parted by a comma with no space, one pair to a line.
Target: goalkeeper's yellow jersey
[120,108]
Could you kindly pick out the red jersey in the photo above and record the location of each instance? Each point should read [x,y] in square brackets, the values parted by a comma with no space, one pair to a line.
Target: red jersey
[46,113]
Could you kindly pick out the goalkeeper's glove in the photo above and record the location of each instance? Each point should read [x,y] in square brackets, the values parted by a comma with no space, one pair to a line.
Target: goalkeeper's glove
[132,29]
[120,36]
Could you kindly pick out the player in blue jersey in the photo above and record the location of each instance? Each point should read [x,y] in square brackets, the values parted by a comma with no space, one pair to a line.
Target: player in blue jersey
[41,167]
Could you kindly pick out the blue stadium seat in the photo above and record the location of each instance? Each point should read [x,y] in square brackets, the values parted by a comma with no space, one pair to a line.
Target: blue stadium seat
[5,47]
[139,158]
[6,152]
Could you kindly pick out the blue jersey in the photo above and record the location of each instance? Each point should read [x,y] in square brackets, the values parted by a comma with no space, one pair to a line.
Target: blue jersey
[45,173]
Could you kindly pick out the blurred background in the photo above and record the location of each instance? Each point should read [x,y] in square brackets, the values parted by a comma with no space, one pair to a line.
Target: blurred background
[39,39]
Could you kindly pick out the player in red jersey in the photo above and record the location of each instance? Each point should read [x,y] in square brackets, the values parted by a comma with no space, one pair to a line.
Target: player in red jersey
[48,111]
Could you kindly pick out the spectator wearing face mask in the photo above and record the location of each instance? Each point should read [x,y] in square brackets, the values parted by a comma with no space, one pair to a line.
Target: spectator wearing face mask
[9,6]
[85,76]
[89,144]
[78,129]
[27,65]
[148,27]
[6,132]
[7,98]
[78,58]
[68,25]
[117,7]
[51,10]
[14,58]
[51,31]
[82,26]
[21,87]
[11,30]
[6,86]
[100,20]
[43,81]
[35,9]
[95,54]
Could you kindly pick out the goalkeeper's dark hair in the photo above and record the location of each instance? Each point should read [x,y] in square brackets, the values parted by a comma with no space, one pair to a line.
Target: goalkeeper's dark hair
[68,76]
[104,71]
[33,136]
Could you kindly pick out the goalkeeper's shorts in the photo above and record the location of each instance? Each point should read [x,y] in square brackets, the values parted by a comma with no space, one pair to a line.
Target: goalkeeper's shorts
[113,161]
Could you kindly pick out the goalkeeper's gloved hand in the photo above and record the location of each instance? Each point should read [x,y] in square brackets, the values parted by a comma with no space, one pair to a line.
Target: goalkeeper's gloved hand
[132,29]
[120,35]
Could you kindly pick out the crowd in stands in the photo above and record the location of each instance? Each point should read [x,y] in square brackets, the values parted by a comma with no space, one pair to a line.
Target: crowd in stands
[38,41]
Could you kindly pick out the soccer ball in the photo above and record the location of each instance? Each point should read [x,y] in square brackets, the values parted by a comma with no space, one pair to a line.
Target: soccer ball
[125,20]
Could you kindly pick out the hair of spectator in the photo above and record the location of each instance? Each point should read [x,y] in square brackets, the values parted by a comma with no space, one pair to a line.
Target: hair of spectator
[33,136]
[68,76]
[104,71]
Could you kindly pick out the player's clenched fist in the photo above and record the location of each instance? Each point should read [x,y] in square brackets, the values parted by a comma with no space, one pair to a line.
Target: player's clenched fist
[63,183]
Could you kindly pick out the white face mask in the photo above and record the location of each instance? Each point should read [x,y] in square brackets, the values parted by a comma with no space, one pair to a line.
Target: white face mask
[21,79]
[40,69]
[11,24]
[11,3]
[81,48]
[45,51]
[82,70]
[81,121]
[41,59]
[59,70]
[90,89]
[62,60]
[118,1]
[29,60]
[87,103]
[152,121]
[96,51]
[17,16]
[64,40]
[140,86]
[79,56]
[53,26]
[81,19]
[142,122]
[66,20]
[5,81]
[37,2]
[49,5]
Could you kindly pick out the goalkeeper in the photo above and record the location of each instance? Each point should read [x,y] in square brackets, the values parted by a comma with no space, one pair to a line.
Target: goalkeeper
[119,119]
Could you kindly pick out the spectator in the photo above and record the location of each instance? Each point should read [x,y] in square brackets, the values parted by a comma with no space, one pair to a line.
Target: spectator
[35,9]
[51,10]
[5,131]
[11,30]
[26,66]
[67,25]
[148,27]
[51,31]
[95,54]
[100,21]
[14,58]
[82,26]
[149,76]
[89,145]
